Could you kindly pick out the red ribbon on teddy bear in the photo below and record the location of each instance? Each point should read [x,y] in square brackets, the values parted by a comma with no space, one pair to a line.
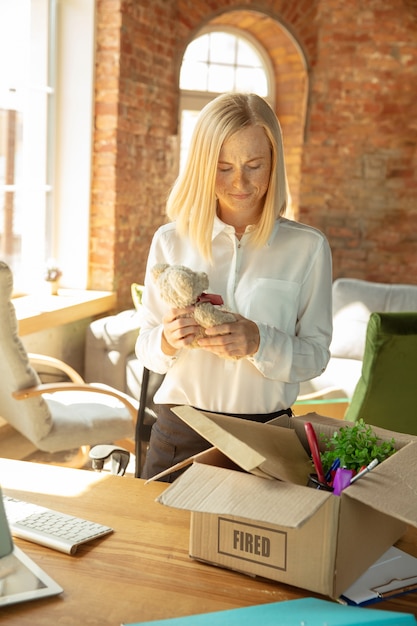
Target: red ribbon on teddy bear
[213,298]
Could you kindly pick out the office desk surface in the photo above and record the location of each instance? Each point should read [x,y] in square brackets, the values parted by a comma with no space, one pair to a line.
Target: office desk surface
[140,572]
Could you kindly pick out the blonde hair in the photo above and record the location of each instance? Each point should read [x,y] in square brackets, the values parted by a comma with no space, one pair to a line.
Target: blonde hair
[192,201]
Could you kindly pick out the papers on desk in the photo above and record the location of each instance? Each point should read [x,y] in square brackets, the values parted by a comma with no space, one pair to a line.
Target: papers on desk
[394,573]
[310,611]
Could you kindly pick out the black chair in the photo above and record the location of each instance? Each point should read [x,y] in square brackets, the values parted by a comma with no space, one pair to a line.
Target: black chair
[146,417]
[151,381]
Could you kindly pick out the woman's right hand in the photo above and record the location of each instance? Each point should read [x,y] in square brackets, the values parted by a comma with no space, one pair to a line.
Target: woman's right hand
[180,330]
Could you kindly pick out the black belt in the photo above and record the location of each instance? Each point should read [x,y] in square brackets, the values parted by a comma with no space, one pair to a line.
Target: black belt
[255,417]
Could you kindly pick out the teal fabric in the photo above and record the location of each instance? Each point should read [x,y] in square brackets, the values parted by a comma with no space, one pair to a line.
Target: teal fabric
[386,394]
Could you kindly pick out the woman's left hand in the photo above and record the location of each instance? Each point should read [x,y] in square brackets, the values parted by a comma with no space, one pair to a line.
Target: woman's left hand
[233,340]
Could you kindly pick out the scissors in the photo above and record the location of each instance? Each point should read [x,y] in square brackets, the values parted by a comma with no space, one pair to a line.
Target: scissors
[315,452]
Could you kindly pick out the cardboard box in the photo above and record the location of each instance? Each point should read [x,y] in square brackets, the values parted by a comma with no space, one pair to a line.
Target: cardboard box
[252,511]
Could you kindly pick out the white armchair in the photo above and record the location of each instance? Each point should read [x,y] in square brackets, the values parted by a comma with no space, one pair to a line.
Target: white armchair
[55,416]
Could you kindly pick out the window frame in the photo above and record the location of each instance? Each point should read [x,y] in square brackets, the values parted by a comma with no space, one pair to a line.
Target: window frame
[249,39]
[59,164]
[194,100]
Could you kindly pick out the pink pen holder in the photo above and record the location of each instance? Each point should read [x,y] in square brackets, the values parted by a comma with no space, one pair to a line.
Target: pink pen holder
[341,480]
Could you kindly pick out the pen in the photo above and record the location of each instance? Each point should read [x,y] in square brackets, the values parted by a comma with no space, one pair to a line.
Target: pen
[315,452]
[367,469]
[333,468]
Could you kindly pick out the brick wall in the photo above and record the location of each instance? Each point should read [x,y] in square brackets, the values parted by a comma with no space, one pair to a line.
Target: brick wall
[346,76]
[359,180]
[134,155]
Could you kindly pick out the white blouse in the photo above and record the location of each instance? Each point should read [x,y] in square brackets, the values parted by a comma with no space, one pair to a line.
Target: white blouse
[285,287]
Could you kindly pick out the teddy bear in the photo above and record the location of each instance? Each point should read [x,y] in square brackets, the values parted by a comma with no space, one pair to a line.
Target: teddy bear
[180,287]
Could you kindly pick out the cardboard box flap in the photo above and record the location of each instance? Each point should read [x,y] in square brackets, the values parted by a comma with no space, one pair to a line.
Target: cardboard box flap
[326,426]
[257,448]
[391,488]
[208,489]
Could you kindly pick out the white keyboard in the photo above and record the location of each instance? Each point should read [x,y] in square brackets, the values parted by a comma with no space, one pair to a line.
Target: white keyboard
[50,528]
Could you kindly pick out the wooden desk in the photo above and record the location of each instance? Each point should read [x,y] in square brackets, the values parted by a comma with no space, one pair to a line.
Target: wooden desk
[38,312]
[140,572]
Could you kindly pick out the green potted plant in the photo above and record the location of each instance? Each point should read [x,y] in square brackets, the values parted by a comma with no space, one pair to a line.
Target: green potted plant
[355,447]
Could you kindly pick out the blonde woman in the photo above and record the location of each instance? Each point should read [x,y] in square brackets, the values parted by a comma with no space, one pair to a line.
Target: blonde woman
[227,210]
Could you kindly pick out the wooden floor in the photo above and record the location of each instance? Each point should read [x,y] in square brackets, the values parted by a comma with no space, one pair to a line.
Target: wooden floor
[14,446]
[335,409]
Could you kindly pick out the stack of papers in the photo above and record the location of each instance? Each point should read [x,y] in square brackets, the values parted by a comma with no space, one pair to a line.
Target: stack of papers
[391,575]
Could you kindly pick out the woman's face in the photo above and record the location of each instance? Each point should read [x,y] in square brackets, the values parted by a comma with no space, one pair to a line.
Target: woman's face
[243,173]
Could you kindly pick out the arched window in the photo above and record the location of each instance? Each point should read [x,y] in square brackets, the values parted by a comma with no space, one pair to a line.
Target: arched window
[222,61]
[216,62]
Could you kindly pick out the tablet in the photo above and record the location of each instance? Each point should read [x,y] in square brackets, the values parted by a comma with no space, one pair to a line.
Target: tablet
[22,580]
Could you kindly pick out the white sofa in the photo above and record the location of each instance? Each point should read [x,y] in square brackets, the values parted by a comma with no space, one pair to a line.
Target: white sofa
[110,342]
[110,352]
[353,302]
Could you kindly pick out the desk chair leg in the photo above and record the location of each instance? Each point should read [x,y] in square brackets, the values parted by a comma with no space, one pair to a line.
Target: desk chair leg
[140,421]
[119,458]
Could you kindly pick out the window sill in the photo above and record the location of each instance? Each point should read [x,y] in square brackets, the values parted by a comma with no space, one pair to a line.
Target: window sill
[39,312]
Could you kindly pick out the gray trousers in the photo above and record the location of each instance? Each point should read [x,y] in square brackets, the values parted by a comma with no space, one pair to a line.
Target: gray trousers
[172,441]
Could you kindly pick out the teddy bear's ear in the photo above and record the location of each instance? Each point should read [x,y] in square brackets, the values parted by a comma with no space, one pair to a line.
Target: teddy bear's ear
[158,269]
[204,280]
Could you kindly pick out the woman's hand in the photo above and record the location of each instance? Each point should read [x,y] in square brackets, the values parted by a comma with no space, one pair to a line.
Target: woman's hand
[233,340]
[180,330]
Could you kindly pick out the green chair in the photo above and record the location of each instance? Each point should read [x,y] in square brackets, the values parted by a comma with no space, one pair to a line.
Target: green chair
[386,393]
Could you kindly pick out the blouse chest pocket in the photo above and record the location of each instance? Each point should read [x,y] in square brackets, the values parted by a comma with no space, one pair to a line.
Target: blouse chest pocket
[275,302]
